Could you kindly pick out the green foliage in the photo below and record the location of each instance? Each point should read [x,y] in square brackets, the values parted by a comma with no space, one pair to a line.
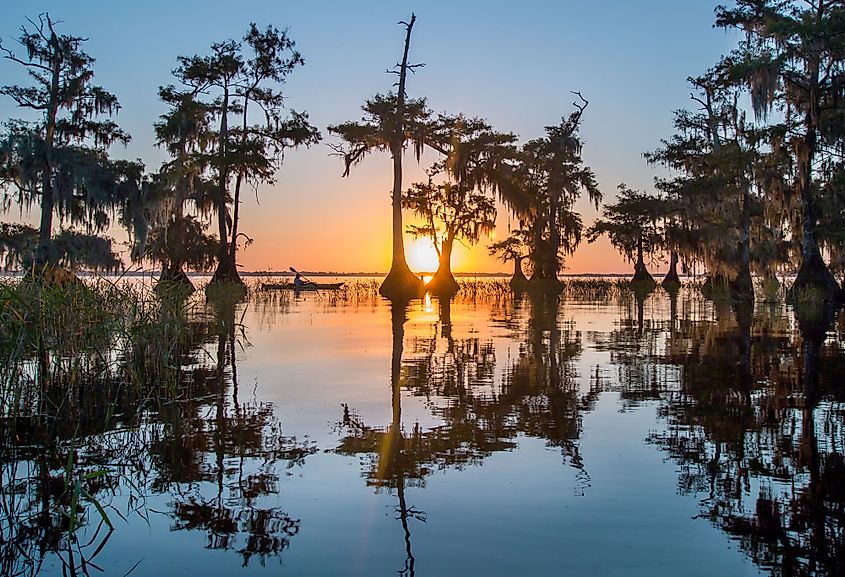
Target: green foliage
[182,242]
[17,244]
[381,130]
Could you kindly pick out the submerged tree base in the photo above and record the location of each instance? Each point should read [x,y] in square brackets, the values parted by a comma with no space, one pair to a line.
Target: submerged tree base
[443,285]
[716,288]
[671,281]
[642,276]
[174,282]
[815,283]
[742,288]
[401,284]
[226,290]
[227,272]
[541,285]
[518,282]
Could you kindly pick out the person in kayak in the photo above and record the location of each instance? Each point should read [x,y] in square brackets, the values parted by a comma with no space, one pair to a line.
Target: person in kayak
[298,283]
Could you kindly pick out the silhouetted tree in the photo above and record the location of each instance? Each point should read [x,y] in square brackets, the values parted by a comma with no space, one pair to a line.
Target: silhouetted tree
[725,205]
[632,226]
[555,177]
[178,239]
[458,201]
[391,123]
[59,162]
[792,60]
[235,75]
[514,248]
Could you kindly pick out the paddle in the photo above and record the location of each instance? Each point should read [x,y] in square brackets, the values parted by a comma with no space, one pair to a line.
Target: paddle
[307,281]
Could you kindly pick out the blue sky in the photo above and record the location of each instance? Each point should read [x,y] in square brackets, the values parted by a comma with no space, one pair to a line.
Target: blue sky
[513,63]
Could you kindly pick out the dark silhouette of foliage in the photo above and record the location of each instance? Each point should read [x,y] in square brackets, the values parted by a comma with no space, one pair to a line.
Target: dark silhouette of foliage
[554,177]
[458,201]
[632,226]
[792,61]
[234,76]
[392,122]
[59,162]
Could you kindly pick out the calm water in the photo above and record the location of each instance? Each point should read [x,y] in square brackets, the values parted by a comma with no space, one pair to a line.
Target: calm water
[489,436]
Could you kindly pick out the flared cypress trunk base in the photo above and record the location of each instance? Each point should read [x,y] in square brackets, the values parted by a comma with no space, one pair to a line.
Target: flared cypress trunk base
[443,284]
[227,272]
[742,287]
[671,281]
[642,278]
[716,288]
[518,282]
[401,284]
[174,280]
[544,285]
[815,283]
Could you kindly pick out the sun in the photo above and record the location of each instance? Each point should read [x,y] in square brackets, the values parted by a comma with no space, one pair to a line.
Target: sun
[421,256]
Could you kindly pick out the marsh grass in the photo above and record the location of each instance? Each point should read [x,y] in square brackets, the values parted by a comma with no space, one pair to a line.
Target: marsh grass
[83,366]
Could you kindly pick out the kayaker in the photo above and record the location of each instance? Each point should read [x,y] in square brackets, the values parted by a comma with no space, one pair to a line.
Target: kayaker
[298,283]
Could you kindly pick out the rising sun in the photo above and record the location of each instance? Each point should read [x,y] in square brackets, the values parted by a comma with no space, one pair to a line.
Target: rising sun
[421,256]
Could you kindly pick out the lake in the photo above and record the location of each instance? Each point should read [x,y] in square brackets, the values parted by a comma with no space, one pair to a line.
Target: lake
[599,433]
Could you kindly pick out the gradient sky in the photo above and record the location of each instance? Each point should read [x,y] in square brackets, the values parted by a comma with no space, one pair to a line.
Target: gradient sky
[513,63]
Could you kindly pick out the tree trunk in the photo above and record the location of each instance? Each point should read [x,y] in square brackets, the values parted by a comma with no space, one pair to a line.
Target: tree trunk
[44,254]
[233,248]
[544,256]
[814,281]
[173,279]
[641,274]
[400,283]
[553,266]
[227,270]
[742,287]
[672,280]
[518,282]
[443,284]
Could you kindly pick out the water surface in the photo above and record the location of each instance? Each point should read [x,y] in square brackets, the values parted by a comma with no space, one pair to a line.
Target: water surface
[601,434]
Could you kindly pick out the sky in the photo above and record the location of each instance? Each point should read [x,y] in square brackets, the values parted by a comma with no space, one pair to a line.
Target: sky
[512,63]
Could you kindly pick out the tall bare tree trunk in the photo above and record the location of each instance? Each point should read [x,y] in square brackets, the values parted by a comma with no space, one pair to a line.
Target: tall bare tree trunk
[400,283]
[43,254]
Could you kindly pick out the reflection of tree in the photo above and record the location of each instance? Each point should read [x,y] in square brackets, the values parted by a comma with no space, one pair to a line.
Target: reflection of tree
[754,420]
[235,452]
[540,387]
[181,429]
[538,397]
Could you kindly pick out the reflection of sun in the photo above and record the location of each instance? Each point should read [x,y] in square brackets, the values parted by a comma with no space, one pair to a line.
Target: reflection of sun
[421,256]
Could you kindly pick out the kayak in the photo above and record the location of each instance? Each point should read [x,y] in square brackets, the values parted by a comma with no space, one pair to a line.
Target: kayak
[312,286]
